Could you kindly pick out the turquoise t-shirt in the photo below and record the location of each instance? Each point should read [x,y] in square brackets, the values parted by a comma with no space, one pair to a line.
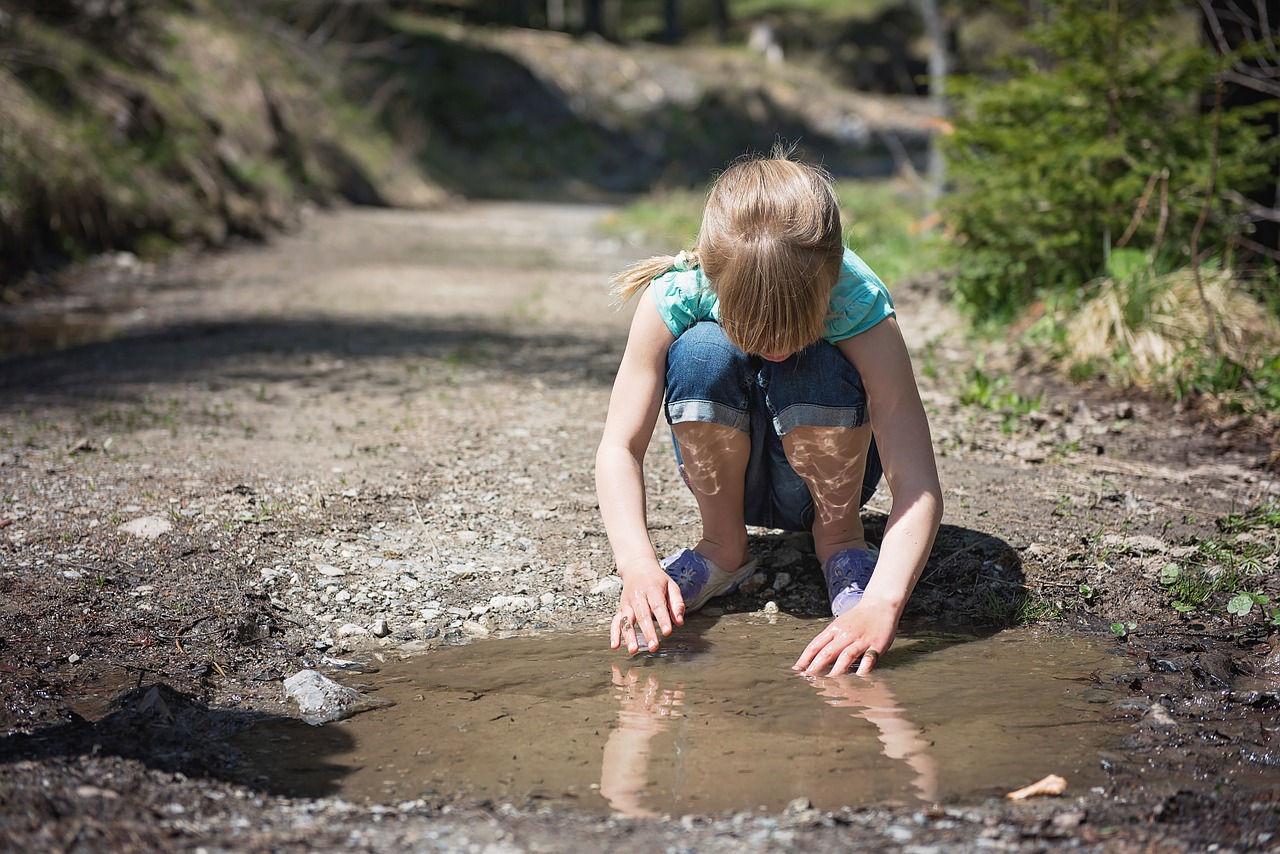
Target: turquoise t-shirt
[858,302]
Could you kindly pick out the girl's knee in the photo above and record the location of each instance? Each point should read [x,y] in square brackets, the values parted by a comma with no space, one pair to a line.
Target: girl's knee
[703,365]
[705,347]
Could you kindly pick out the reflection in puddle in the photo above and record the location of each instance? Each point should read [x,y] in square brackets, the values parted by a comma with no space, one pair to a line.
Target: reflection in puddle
[716,720]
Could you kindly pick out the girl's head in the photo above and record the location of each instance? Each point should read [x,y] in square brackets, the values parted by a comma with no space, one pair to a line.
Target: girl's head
[771,246]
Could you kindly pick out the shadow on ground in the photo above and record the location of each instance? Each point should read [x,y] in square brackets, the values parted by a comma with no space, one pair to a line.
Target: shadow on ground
[167,730]
[974,581]
[274,349]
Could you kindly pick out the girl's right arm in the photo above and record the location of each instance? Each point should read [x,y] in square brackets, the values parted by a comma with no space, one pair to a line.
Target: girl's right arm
[648,595]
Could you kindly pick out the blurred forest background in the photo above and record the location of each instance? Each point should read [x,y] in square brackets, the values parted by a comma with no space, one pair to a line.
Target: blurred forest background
[1096,180]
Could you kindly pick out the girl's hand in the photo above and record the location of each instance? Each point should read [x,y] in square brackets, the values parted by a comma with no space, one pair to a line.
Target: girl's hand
[866,630]
[648,597]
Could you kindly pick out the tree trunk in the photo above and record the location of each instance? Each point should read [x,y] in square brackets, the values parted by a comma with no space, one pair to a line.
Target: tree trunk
[936,28]
[720,20]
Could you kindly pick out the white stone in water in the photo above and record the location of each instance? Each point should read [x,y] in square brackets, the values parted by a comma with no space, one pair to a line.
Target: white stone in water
[321,700]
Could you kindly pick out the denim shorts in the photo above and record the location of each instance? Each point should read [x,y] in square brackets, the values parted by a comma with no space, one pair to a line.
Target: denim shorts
[709,380]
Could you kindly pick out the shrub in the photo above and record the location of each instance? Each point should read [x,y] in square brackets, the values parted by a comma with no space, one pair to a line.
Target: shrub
[1099,139]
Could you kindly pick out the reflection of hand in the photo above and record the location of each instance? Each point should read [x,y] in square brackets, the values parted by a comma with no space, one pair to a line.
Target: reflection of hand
[900,737]
[645,711]
[649,596]
[651,708]
[867,630]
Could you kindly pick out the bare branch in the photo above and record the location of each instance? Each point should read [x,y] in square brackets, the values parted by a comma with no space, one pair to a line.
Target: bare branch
[1251,82]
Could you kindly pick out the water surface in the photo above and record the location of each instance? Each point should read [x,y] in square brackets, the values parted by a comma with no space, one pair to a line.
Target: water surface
[716,720]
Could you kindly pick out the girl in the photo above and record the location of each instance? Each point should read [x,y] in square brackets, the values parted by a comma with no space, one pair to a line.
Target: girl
[778,355]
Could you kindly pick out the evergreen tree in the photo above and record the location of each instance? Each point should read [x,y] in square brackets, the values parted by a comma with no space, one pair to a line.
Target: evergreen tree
[1102,137]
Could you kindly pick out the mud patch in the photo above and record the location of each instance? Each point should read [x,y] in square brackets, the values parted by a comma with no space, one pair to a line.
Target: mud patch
[714,721]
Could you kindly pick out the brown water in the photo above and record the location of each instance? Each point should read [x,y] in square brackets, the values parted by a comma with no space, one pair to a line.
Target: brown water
[715,721]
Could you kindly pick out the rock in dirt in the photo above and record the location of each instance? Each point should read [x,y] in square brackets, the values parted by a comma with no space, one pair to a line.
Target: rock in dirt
[147,527]
[321,700]
[609,587]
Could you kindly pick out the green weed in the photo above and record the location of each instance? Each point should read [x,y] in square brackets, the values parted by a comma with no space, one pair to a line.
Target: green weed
[1234,571]
[996,394]
[1122,630]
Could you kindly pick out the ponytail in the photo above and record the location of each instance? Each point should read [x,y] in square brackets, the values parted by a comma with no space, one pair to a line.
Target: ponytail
[637,277]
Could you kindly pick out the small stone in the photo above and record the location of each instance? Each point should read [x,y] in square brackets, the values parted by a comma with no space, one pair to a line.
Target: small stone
[786,557]
[323,642]
[547,600]
[782,581]
[611,586]
[351,630]
[72,658]
[147,527]
[754,584]
[770,607]
[330,571]
[579,576]
[379,629]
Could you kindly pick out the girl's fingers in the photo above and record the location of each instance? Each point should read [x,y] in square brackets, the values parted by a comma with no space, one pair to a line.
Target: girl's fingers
[627,633]
[843,661]
[659,606]
[806,657]
[677,602]
[824,657]
[615,631]
[646,627]
[870,659]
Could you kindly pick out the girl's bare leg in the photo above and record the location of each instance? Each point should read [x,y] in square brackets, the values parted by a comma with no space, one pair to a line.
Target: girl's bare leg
[832,461]
[715,465]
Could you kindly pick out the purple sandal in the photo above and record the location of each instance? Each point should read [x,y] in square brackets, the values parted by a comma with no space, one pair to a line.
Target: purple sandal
[699,579]
[847,574]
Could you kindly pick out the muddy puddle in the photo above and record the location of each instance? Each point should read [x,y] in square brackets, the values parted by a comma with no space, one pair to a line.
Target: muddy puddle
[714,721]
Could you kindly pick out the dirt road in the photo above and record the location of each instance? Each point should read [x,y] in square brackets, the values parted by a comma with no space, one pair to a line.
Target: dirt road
[375,436]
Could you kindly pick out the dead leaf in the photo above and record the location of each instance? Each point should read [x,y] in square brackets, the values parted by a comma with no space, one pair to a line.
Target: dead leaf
[1051,785]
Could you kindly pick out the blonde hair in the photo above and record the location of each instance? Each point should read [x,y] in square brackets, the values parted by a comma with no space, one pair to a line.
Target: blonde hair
[771,246]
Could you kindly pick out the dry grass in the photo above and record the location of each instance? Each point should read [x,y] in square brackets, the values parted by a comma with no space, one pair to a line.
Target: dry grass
[1140,330]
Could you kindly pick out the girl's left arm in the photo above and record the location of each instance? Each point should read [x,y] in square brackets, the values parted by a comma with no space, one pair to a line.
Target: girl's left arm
[906,450]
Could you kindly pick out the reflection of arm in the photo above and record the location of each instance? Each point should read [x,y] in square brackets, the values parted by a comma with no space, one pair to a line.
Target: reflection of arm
[624,770]
[901,738]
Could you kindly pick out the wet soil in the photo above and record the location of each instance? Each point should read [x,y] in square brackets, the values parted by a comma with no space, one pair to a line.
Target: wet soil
[373,439]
